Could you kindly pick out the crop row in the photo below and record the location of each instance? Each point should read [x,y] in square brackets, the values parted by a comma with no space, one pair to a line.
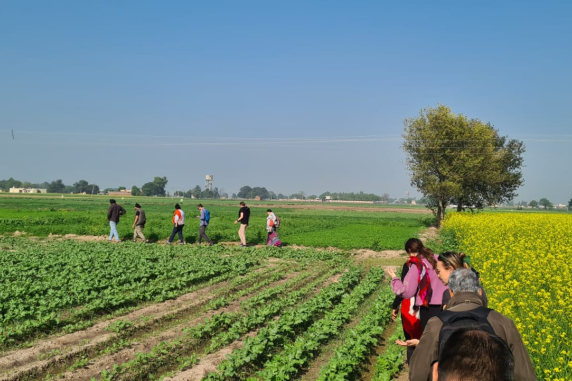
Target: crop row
[219,330]
[390,362]
[285,365]
[276,333]
[35,291]
[43,283]
[360,340]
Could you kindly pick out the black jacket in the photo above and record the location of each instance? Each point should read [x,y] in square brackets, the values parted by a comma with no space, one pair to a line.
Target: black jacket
[114,212]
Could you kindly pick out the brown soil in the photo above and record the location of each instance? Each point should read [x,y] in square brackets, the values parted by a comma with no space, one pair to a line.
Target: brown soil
[362,254]
[404,375]
[209,363]
[429,234]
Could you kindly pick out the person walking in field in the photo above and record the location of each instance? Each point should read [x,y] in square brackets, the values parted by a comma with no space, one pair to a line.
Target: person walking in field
[271,225]
[113,214]
[205,219]
[178,225]
[139,223]
[243,218]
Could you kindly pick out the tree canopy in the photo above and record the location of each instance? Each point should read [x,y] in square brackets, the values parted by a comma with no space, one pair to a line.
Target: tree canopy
[351,196]
[248,192]
[456,160]
[544,202]
[57,186]
[156,187]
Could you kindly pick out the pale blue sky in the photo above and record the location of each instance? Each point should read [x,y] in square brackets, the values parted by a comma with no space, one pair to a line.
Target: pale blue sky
[298,95]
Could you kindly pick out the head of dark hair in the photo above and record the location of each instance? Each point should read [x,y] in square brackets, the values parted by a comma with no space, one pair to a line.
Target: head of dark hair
[415,246]
[269,210]
[200,205]
[112,201]
[177,206]
[454,260]
[242,203]
[475,355]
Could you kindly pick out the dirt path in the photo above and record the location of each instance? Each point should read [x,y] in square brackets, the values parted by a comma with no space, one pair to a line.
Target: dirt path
[210,362]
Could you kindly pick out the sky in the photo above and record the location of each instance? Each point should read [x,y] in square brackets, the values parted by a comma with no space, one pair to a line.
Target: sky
[293,96]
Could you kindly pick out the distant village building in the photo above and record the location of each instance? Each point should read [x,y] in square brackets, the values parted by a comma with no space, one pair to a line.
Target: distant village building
[257,198]
[123,192]
[27,190]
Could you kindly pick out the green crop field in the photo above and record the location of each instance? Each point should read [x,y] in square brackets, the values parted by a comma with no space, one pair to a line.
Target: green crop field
[85,309]
[313,226]
[99,311]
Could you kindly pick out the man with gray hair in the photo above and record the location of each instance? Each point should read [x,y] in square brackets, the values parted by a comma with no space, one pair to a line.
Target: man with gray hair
[464,289]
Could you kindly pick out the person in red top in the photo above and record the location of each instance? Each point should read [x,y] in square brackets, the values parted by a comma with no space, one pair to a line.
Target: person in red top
[178,224]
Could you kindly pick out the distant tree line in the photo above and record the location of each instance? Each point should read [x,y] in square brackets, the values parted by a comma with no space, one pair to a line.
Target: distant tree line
[351,196]
[56,186]
[543,202]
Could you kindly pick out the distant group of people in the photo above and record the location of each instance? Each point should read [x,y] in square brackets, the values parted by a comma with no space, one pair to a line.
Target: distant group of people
[115,211]
[450,333]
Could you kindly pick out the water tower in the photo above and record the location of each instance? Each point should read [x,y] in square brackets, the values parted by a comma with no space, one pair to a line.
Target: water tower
[209,182]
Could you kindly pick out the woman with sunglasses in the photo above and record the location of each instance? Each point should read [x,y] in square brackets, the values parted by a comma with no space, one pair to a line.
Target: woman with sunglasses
[447,263]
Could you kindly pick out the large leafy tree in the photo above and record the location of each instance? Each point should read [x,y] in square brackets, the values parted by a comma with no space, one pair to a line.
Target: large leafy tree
[456,160]
[546,203]
[155,187]
[57,186]
[196,191]
[81,186]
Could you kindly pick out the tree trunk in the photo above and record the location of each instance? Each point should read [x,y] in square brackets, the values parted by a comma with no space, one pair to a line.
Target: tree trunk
[440,213]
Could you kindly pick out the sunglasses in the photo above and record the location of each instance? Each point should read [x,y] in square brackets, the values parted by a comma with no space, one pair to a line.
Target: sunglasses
[444,259]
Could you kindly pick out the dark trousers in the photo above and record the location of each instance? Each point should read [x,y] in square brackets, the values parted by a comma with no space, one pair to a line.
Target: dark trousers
[203,234]
[427,313]
[177,229]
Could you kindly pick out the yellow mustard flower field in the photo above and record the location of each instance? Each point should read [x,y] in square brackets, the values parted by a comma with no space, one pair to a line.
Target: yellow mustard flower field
[525,264]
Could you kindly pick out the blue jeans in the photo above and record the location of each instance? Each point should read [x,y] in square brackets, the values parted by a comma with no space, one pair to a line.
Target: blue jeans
[113,232]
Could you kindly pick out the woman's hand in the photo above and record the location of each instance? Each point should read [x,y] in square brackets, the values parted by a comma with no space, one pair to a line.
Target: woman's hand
[393,314]
[391,272]
[408,343]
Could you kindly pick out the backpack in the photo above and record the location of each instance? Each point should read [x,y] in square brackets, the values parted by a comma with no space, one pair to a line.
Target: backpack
[452,321]
[207,215]
[277,224]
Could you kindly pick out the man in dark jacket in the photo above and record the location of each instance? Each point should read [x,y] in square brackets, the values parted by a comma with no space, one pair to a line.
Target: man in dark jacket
[113,214]
[464,288]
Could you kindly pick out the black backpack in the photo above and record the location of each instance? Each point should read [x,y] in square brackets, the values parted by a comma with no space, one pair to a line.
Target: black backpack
[452,321]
